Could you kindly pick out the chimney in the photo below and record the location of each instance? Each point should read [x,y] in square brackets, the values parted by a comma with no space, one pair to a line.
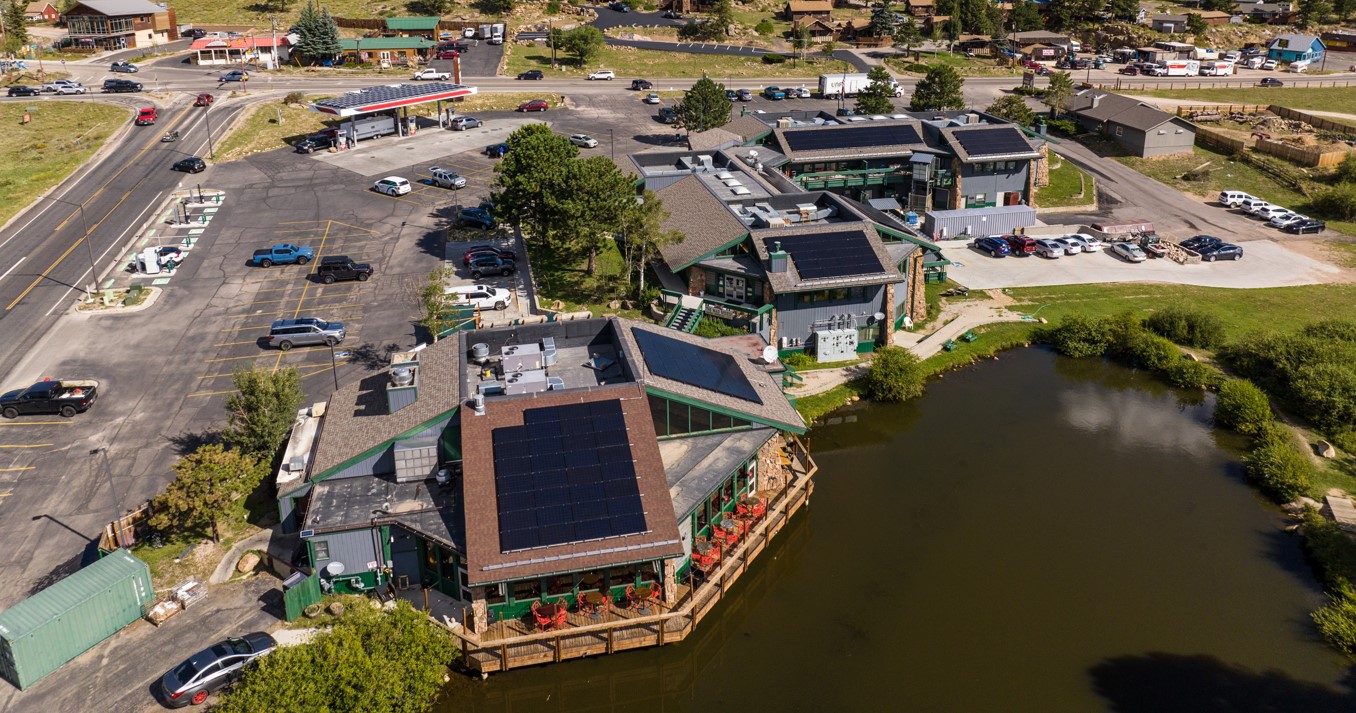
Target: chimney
[402,389]
[777,259]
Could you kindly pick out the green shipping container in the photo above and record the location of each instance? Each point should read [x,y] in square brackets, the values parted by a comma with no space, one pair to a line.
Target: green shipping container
[41,633]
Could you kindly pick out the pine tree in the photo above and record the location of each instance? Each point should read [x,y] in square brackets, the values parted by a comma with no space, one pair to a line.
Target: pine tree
[1128,9]
[306,28]
[1059,93]
[327,43]
[1013,108]
[703,107]
[15,25]
[1026,15]
[875,98]
[907,34]
[1314,12]
[1195,25]
[939,89]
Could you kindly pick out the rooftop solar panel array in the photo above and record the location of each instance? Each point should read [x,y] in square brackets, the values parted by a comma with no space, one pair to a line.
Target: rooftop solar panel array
[818,256]
[852,137]
[693,365]
[377,95]
[997,141]
[566,475]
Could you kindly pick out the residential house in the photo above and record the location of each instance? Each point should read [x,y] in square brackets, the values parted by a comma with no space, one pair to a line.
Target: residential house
[235,50]
[595,469]
[41,12]
[1170,24]
[413,27]
[396,50]
[818,29]
[1144,130]
[1043,53]
[1275,13]
[920,9]
[798,10]
[1339,39]
[1039,37]
[1295,48]
[1215,18]
[120,24]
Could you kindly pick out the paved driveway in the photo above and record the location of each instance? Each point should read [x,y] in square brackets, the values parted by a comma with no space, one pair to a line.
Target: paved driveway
[1265,264]
[609,18]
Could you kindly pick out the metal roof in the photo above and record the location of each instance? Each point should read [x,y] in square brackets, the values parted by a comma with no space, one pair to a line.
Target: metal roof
[119,8]
[385,43]
[412,23]
[394,96]
[51,603]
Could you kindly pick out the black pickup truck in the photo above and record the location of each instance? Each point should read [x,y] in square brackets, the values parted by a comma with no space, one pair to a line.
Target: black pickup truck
[64,396]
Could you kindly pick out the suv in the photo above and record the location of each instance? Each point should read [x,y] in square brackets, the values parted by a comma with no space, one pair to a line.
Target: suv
[121,85]
[1020,244]
[1233,199]
[488,264]
[482,296]
[476,218]
[235,75]
[341,267]
[1201,241]
[287,333]
[667,115]
[532,74]
[641,85]
[444,178]
[534,105]
[64,86]
[603,74]
[462,123]
[318,141]
[995,247]
[125,67]
[584,141]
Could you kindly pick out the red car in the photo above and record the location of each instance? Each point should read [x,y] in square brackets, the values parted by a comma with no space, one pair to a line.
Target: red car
[447,54]
[1020,244]
[501,253]
[147,116]
[534,105]
[204,100]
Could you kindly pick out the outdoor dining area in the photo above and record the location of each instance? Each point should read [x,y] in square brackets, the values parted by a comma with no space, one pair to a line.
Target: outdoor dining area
[727,530]
[592,597]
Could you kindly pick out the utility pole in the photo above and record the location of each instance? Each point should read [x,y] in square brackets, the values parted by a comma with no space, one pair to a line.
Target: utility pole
[273,23]
[117,506]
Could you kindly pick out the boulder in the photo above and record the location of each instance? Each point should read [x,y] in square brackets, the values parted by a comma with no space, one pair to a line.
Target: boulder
[1325,450]
[247,563]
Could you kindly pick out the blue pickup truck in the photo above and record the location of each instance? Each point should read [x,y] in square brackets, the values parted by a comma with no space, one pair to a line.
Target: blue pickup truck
[282,255]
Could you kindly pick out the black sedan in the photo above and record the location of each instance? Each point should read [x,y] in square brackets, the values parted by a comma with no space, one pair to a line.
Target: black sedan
[1304,227]
[192,164]
[1201,241]
[190,682]
[532,74]
[1270,82]
[22,91]
[1221,251]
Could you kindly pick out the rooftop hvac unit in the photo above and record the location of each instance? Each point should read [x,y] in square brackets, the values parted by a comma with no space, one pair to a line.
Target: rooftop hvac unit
[402,376]
[732,182]
[740,191]
[480,351]
[296,464]
[724,175]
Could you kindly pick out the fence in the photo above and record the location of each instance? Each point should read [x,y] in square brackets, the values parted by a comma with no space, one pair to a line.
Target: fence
[1219,140]
[1311,158]
[1317,122]
[1156,86]
[127,530]
[1299,155]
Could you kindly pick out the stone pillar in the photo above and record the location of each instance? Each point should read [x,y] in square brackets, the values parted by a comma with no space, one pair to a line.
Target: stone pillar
[887,327]
[1040,174]
[480,612]
[957,195]
[769,298]
[671,580]
[918,299]
[696,281]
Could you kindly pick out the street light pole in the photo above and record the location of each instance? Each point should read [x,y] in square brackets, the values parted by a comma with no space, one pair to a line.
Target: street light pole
[334,369]
[117,504]
[612,139]
[93,270]
[207,119]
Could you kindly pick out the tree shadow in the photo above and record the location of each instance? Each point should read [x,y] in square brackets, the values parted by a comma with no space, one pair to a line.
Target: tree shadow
[372,357]
[190,441]
[671,138]
[1167,683]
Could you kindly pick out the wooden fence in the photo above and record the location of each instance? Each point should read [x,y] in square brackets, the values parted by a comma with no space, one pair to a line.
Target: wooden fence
[1185,110]
[1299,155]
[1131,85]
[1219,140]
[1310,158]
[1317,122]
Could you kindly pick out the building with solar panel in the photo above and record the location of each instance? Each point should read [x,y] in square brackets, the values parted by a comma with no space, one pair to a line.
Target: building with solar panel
[551,490]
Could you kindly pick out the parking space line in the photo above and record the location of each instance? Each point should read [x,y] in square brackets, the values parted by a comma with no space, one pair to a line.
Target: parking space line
[15,470]
[37,423]
[238,358]
[289,299]
[369,231]
[232,344]
[30,445]
[213,393]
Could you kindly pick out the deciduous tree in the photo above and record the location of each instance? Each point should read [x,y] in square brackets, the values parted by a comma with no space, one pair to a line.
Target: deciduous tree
[940,88]
[206,483]
[1059,93]
[642,228]
[703,107]
[261,412]
[584,42]
[876,97]
[895,374]
[1014,109]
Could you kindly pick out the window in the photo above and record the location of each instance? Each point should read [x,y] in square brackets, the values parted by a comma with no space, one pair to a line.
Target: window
[979,197]
[1119,130]
[321,549]
[526,590]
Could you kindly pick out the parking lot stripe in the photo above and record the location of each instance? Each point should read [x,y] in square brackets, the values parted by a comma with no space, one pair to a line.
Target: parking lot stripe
[213,393]
[30,445]
[232,344]
[14,470]
[37,423]
[369,231]
[289,299]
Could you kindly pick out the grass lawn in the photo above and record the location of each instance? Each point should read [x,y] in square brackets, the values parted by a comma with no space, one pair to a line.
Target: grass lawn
[565,280]
[966,66]
[1339,99]
[1069,185]
[36,156]
[629,62]
[1226,173]
[260,130]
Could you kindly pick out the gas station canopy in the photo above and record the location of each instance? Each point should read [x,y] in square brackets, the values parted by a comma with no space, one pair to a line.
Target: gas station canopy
[390,96]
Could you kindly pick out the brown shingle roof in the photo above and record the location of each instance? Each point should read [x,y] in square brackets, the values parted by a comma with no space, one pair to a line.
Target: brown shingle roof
[810,6]
[711,139]
[748,127]
[1118,109]
[487,564]
[357,419]
[704,221]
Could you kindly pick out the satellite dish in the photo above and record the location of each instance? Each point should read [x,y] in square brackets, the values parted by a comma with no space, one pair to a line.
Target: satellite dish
[334,568]
[878,317]
[769,354]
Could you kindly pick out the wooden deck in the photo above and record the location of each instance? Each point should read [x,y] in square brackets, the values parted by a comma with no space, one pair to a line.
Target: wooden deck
[513,644]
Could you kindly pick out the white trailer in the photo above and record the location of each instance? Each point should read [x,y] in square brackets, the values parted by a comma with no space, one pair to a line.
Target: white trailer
[1217,69]
[833,85]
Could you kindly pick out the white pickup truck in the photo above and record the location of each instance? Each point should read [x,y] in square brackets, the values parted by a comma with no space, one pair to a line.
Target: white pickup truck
[64,86]
[431,73]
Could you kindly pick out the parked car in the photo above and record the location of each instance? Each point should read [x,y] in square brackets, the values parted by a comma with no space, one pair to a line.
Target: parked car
[1289,216]
[147,116]
[584,141]
[1270,82]
[532,74]
[23,91]
[799,92]
[496,150]
[482,296]
[341,267]
[1305,227]
[602,74]
[731,94]
[1201,241]
[1269,65]
[774,93]
[619,6]
[534,105]
[474,250]
[651,98]
[235,75]
[1273,212]
[1020,244]
[1049,248]
[745,95]
[121,85]
[1086,243]
[124,68]
[305,332]
[1254,206]
[1129,69]
[1071,246]
[62,87]
[195,33]
[1222,251]
[211,669]
[392,186]
[443,178]
[1129,252]
[60,396]
[476,218]
[192,164]
[204,100]
[317,141]
[994,246]
[482,265]
[671,15]
[462,123]
[1234,199]
[282,254]
[667,115]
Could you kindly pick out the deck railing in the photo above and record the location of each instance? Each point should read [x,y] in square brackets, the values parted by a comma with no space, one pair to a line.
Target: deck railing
[504,645]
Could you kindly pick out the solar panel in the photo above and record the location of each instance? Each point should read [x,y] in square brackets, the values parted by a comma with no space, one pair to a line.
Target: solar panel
[817,256]
[827,139]
[557,485]
[693,365]
[376,95]
[995,141]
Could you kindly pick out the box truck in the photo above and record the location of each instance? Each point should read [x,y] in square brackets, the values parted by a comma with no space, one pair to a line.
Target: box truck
[833,85]
[368,127]
[497,34]
[486,32]
[1180,68]
[1217,69]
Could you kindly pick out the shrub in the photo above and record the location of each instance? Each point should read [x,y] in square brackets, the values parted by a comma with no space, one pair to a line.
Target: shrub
[1187,326]
[294,98]
[1152,351]
[1327,393]
[764,27]
[690,31]
[772,58]
[1029,91]
[1281,470]
[1337,203]
[1339,329]
[553,7]
[1274,433]
[1188,374]
[1331,553]
[1063,126]
[1346,171]
[1242,406]
[712,327]
[895,375]
[1337,620]
[1345,441]
[798,359]
[1078,336]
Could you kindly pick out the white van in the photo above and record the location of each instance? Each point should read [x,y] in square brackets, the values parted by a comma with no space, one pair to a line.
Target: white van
[1233,199]
[1251,205]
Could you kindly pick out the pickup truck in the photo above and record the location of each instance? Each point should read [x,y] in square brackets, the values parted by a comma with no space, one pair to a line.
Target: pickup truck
[64,86]
[64,396]
[282,255]
[431,73]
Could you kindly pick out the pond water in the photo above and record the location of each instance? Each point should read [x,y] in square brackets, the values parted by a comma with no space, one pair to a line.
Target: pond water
[1035,534]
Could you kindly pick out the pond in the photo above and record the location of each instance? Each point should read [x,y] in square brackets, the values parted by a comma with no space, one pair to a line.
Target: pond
[1035,534]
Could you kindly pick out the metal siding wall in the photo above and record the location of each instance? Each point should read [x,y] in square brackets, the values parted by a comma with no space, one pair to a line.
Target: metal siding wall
[354,549]
[991,184]
[1169,143]
[795,321]
[397,399]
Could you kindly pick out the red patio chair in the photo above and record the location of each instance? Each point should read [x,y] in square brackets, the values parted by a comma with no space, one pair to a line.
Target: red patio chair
[562,616]
[543,621]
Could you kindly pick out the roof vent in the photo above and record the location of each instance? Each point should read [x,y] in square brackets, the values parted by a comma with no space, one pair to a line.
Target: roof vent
[777,258]
[478,404]
[403,388]
[740,191]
